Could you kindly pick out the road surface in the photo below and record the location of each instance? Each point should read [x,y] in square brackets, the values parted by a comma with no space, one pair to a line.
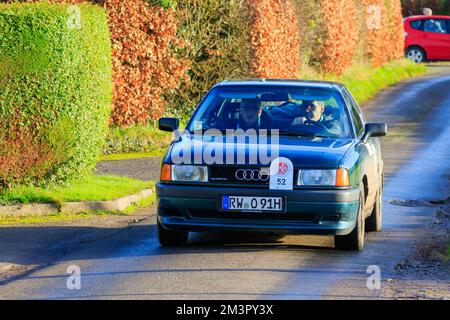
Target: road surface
[129,263]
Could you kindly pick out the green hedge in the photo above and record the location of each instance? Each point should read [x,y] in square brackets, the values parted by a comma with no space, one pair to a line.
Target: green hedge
[55,89]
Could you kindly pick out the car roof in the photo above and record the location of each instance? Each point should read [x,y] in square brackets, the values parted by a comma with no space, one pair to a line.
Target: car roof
[280,82]
[427,17]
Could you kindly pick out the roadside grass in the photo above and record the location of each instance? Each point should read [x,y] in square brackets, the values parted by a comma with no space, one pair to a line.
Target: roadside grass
[438,64]
[93,188]
[364,81]
[138,141]
[132,155]
[66,217]
[143,203]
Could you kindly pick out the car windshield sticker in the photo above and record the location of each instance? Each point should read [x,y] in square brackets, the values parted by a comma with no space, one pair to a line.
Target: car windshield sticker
[281,174]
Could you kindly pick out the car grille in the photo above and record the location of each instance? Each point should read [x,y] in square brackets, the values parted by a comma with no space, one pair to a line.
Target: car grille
[239,175]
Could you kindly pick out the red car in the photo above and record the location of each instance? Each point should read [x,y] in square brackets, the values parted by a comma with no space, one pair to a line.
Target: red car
[427,38]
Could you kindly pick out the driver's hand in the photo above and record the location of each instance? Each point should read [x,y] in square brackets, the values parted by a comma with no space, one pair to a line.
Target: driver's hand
[298,121]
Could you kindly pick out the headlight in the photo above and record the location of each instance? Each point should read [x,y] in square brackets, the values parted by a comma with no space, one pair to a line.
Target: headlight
[184,173]
[338,178]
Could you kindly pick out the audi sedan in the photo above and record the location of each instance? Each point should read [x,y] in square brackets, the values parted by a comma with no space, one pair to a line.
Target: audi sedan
[283,156]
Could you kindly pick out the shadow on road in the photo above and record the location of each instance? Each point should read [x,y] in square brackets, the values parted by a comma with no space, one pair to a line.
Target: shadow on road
[39,245]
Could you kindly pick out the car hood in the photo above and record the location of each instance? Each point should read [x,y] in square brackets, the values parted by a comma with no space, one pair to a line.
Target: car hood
[303,152]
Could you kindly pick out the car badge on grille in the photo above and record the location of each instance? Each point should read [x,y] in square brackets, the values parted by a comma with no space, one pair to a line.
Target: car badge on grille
[252,175]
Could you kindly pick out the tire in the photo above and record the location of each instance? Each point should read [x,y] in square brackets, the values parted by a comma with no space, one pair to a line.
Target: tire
[354,240]
[373,222]
[416,54]
[172,238]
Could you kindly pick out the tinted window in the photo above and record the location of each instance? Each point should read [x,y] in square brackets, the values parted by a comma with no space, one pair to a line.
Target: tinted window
[417,24]
[435,25]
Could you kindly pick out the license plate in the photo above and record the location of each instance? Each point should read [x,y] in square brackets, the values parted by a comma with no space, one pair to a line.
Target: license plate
[261,204]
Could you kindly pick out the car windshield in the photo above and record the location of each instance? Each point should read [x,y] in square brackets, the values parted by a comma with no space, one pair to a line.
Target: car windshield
[289,111]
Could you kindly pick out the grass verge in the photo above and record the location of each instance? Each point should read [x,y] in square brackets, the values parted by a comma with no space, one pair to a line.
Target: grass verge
[132,155]
[364,82]
[65,217]
[93,188]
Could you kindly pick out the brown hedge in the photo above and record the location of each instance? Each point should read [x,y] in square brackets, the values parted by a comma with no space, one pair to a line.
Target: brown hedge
[22,154]
[376,31]
[340,35]
[396,30]
[384,34]
[274,39]
[145,63]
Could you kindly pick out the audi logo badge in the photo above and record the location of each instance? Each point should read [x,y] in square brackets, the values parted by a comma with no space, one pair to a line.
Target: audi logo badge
[252,175]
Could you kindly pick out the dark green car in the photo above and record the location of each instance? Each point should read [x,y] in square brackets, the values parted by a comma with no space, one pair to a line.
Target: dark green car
[283,156]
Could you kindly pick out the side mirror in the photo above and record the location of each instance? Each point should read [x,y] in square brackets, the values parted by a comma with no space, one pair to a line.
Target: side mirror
[374,130]
[168,124]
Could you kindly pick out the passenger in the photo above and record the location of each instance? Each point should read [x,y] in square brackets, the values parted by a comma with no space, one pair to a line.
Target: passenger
[314,112]
[434,26]
[427,12]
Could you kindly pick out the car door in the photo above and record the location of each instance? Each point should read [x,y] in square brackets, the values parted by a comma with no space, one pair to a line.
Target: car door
[369,152]
[437,38]
[414,33]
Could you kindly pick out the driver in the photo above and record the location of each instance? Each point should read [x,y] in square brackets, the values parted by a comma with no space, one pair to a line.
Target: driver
[249,114]
[314,113]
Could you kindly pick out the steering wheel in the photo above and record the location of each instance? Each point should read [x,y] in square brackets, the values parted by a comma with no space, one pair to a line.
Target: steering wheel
[316,123]
[284,104]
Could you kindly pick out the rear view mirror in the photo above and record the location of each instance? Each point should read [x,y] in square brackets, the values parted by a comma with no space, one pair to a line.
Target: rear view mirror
[168,124]
[274,97]
[374,130]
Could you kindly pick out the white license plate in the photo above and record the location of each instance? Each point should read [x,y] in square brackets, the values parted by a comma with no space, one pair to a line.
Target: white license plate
[241,203]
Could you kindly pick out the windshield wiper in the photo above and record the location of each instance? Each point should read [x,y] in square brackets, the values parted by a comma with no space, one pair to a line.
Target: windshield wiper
[289,133]
[203,131]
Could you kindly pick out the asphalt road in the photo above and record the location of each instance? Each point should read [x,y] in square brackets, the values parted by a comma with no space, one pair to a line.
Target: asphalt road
[129,264]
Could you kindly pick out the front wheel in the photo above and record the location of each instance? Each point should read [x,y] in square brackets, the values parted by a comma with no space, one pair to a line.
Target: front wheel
[373,222]
[416,54]
[355,239]
[172,238]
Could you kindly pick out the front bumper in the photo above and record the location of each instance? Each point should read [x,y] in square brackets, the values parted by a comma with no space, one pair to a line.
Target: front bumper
[197,208]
